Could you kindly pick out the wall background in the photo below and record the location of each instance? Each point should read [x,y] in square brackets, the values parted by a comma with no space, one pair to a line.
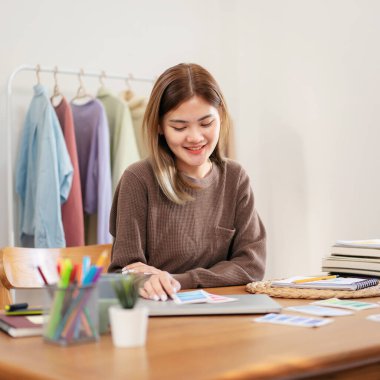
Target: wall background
[301,79]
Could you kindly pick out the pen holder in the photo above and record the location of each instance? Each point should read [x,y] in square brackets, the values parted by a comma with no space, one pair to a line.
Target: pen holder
[73,315]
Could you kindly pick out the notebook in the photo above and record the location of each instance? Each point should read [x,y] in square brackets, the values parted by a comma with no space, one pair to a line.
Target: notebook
[338,283]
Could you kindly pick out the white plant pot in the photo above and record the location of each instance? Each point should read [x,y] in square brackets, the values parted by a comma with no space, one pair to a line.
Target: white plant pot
[128,326]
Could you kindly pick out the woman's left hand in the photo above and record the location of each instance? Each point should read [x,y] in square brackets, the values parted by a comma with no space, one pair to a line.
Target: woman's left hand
[160,286]
[141,268]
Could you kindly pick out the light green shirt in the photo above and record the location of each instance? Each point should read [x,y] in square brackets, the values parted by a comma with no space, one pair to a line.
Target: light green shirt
[124,149]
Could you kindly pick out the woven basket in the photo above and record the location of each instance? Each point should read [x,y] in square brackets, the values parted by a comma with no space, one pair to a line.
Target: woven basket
[264,287]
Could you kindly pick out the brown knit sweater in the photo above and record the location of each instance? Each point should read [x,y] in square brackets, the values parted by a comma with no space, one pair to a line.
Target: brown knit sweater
[216,240]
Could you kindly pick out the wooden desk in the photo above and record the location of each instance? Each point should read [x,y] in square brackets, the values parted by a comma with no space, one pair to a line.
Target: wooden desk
[215,347]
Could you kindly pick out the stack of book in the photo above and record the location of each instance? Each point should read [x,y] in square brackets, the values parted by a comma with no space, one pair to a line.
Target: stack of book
[21,325]
[354,257]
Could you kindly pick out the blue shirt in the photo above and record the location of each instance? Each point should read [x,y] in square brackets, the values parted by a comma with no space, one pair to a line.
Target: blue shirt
[43,175]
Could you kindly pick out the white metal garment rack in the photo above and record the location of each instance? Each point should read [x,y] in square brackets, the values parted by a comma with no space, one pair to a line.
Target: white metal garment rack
[37,69]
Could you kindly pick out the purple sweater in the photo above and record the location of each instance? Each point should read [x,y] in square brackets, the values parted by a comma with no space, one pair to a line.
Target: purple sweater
[92,139]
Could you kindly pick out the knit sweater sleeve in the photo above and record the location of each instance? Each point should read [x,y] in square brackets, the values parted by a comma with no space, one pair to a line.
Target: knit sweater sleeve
[128,222]
[247,253]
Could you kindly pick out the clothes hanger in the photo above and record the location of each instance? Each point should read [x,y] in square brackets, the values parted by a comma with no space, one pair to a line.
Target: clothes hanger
[102,89]
[82,97]
[38,69]
[128,93]
[57,95]
[102,76]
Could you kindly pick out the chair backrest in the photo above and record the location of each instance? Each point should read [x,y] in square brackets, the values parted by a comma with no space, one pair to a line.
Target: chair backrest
[18,266]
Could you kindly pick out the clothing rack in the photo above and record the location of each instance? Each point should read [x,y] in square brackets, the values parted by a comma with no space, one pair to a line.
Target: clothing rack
[37,69]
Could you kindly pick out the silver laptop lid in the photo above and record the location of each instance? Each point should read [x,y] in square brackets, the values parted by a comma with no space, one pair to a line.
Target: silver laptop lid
[245,304]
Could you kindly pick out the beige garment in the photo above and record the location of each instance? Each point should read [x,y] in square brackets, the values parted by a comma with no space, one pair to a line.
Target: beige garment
[137,106]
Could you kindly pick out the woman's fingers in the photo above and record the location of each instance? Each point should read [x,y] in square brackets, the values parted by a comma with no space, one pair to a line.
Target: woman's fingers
[175,284]
[163,283]
[158,287]
[143,293]
[150,291]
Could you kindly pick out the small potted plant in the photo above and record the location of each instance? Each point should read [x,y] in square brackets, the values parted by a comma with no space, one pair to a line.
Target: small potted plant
[128,321]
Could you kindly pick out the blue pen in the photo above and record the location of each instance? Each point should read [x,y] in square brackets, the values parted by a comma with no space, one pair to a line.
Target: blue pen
[90,275]
[86,264]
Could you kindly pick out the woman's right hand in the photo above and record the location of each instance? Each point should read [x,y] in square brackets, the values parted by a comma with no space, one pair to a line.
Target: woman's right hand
[140,267]
[159,286]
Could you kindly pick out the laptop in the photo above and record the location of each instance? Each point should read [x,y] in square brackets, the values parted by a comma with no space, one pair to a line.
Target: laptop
[245,304]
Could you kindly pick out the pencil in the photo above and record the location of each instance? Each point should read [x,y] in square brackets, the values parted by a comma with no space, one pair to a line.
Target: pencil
[312,279]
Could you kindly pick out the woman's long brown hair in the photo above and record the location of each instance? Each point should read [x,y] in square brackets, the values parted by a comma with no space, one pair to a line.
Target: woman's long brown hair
[175,86]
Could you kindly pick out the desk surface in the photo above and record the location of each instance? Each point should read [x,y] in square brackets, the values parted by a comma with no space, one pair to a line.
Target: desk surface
[212,347]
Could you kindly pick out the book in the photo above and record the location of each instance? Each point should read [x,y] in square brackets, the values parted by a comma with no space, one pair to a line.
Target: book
[352,272]
[370,243]
[353,251]
[338,283]
[21,326]
[361,248]
[352,262]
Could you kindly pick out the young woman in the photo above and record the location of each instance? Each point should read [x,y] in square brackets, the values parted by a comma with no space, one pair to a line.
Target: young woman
[186,215]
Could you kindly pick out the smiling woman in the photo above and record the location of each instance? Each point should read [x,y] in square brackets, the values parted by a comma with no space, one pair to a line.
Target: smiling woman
[192,137]
[185,217]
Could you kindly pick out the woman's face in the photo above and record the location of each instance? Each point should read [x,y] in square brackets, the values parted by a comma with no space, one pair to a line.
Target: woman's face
[192,132]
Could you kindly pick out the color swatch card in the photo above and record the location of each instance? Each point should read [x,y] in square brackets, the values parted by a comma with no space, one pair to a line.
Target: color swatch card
[195,296]
[321,311]
[200,296]
[292,320]
[215,298]
[346,304]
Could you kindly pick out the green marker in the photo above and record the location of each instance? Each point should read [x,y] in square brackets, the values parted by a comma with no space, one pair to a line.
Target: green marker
[56,310]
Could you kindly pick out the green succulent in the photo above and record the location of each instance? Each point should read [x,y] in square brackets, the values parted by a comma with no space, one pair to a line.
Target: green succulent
[126,289]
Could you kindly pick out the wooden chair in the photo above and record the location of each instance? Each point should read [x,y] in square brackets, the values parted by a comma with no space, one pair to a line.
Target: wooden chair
[18,266]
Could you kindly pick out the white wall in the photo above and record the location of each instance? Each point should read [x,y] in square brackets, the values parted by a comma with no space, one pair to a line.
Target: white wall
[309,114]
[301,78]
[120,36]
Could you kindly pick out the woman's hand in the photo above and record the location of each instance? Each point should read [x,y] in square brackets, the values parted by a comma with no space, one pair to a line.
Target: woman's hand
[159,286]
[140,268]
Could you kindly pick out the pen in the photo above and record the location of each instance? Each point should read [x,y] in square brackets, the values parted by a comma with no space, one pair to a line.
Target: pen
[311,279]
[86,264]
[16,306]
